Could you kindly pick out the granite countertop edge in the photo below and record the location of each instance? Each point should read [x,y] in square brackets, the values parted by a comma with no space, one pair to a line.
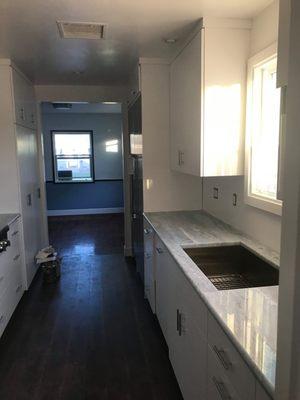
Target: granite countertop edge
[7,219]
[255,247]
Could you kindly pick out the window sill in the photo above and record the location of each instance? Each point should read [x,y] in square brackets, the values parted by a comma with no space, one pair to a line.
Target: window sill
[271,206]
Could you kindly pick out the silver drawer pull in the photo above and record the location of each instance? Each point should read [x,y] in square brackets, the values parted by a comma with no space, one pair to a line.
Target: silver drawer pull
[18,288]
[1,319]
[16,257]
[146,231]
[159,250]
[221,388]
[22,113]
[222,356]
[14,233]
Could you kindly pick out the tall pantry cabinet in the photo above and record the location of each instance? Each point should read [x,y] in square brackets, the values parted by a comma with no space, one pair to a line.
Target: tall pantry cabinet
[19,172]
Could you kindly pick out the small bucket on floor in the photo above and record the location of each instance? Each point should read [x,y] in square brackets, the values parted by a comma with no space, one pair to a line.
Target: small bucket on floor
[51,270]
[48,259]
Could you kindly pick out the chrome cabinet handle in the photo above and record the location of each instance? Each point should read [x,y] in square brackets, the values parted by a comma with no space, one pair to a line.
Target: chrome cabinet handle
[179,322]
[221,388]
[180,158]
[146,231]
[14,233]
[147,256]
[18,288]
[1,319]
[29,200]
[22,113]
[32,119]
[16,257]
[38,192]
[159,250]
[222,356]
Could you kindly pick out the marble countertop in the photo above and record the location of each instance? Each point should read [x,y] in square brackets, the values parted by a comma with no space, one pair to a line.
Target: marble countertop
[7,219]
[249,316]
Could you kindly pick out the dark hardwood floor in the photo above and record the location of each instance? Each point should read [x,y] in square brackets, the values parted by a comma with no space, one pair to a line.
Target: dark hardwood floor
[92,335]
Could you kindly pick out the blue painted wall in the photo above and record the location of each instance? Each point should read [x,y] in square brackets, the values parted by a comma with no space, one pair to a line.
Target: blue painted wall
[107,190]
[102,194]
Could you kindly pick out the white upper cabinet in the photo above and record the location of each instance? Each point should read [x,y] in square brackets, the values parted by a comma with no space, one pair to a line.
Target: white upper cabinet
[207,100]
[24,100]
[283,42]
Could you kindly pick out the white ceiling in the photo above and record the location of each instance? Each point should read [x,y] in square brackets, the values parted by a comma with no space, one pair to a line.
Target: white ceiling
[29,35]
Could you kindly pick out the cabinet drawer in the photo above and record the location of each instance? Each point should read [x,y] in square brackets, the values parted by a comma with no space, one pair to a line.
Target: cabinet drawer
[10,298]
[219,386]
[261,394]
[231,362]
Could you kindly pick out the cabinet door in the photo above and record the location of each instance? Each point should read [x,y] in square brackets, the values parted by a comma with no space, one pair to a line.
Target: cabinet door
[28,174]
[24,99]
[149,267]
[185,108]
[163,262]
[187,337]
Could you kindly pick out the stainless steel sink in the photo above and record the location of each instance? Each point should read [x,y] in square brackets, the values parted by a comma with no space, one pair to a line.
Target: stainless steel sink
[233,267]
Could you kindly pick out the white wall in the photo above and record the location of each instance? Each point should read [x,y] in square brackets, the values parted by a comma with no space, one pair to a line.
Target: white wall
[164,190]
[105,127]
[261,225]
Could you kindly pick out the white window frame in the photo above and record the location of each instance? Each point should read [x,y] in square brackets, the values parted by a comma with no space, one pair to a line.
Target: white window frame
[271,205]
[75,156]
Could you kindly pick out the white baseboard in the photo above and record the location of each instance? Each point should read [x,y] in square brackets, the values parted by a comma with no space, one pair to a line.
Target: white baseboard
[85,211]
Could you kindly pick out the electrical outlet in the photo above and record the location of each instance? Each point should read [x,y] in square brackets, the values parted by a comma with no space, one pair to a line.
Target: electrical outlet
[216,193]
[234,199]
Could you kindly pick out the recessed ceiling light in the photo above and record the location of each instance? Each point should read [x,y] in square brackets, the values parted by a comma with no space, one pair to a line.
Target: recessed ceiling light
[170,40]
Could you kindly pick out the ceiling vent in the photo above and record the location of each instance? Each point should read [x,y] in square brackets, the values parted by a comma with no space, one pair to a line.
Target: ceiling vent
[81,30]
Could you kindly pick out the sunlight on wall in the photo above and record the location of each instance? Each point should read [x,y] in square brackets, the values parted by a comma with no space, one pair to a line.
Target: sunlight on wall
[149,184]
[112,146]
[222,124]
[136,144]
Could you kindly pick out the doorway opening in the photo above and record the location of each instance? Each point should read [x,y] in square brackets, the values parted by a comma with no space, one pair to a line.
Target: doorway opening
[83,163]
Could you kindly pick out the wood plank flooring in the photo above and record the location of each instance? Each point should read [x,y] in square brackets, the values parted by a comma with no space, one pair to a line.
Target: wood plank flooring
[92,335]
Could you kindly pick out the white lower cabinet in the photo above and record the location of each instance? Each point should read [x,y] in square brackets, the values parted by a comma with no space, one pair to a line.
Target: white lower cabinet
[149,270]
[11,276]
[261,394]
[230,361]
[206,363]
[187,337]
[219,386]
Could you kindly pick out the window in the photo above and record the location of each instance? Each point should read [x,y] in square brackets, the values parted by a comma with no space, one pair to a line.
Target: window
[263,122]
[72,156]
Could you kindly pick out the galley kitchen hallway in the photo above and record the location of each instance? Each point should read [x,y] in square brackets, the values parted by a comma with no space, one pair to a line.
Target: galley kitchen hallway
[92,335]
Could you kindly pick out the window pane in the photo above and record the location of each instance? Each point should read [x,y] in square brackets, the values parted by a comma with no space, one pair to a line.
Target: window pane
[72,144]
[265,131]
[74,169]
